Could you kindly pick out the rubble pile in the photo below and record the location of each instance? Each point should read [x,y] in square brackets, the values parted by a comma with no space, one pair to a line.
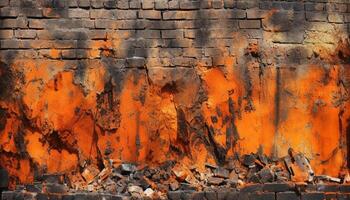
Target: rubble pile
[142,182]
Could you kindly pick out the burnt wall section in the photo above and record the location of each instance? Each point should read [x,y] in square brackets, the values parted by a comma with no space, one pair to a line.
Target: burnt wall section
[85,82]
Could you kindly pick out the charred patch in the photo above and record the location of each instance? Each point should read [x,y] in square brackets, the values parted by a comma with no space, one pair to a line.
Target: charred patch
[108,115]
[218,151]
[56,142]
[182,130]
[170,88]
[6,81]
[3,117]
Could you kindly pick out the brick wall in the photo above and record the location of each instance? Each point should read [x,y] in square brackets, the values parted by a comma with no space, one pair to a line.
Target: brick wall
[147,81]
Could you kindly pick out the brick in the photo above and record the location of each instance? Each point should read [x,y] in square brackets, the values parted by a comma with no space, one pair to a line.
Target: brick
[148,34]
[54,187]
[316,16]
[287,196]
[335,18]
[70,4]
[101,14]
[123,4]
[181,43]
[314,6]
[14,44]
[40,44]
[147,4]
[262,196]
[256,14]
[4,3]
[170,15]
[9,12]
[125,14]
[161,4]
[14,23]
[223,14]
[241,4]
[135,4]
[189,5]
[344,188]
[65,44]
[54,13]
[25,34]
[205,4]
[110,4]
[8,195]
[336,7]
[32,12]
[172,34]
[120,34]
[96,3]
[67,54]
[217,4]
[229,3]
[192,52]
[170,52]
[136,62]
[84,3]
[150,14]
[343,196]
[97,34]
[36,23]
[182,61]
[292,37]
[174,4]
[6,34]
[313,196]
[78,13]
[250,24]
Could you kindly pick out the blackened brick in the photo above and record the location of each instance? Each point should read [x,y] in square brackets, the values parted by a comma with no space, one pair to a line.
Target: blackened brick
[189,5]
[345,196]
[344,188]
[148,34]
[314,6]
[313,196]
[4,176]
[277,187]
[328,187]
[172,34]
[316,16]
[262,196]
[8,195]
[136,62]
[287,196]
[110,4]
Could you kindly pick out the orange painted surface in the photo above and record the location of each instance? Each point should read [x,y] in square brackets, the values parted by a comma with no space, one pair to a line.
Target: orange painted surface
[62,120]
